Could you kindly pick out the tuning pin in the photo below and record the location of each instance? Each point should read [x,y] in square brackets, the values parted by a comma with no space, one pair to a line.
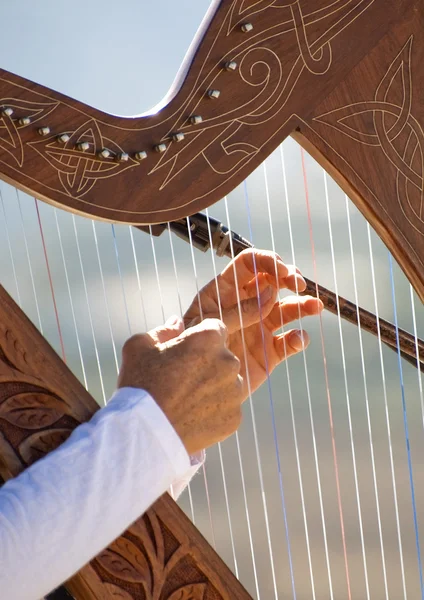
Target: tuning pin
[196,119]
[44,131]
[246,27]
[178,137]
[7,112]
[230,65]
[214,94]
[24,121]
[104,153]
[122,157]
[63,138]
[83,146]
[140,155]
[160,148]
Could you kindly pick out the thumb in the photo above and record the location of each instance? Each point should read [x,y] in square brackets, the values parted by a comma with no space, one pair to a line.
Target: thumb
[250,311]
[168,331]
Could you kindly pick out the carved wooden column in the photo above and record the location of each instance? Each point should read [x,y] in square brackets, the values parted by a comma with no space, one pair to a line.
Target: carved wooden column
[160,557]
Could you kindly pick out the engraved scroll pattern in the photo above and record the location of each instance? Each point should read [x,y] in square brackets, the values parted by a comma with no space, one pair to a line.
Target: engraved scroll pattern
[266,79]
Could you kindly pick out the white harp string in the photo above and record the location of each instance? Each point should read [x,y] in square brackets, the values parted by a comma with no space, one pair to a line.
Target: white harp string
[181,314]
[252,411]
[367,407]
[71,302]
[292,412]
[308,392]
[9,247]
[387,417]
[346,386]
[89,312]
[415,330]
[243,484]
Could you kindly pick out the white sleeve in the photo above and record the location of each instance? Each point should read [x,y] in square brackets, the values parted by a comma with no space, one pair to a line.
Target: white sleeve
[64,509]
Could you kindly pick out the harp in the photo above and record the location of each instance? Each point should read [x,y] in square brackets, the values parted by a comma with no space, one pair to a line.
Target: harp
[344,79]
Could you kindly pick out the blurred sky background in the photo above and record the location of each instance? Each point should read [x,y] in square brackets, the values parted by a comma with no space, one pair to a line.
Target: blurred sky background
[122,57]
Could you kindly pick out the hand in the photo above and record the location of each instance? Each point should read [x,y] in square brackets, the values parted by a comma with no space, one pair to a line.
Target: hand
[193,377]
[257,321]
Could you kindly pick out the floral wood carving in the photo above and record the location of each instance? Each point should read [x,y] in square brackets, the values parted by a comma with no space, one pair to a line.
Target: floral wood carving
[153,560]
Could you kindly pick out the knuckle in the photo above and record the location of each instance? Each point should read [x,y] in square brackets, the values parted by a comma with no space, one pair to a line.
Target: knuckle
[132,343]
[215,329]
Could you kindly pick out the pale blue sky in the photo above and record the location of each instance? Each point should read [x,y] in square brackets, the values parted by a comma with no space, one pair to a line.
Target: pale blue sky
[118,56]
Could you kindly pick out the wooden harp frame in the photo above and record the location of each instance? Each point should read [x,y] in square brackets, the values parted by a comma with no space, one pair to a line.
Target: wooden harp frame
[244,87]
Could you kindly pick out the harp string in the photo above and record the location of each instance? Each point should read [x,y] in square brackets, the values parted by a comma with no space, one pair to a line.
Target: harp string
[137,271]
[327,384]
[254,428]
[406,430]
[272,406]
[387,417]
[290,395]
[105,297]
[308,389]
[174,265]
[89,312]
[118,263]
[221,459]
[415,330]
[205,479]
[49,274]
[71,302]
[346,386]
[37,307]
[9,247]
[368,419]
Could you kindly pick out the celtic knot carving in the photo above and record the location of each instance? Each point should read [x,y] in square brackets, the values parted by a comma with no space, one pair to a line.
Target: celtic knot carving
[10,128]
[388,123]
[79,171]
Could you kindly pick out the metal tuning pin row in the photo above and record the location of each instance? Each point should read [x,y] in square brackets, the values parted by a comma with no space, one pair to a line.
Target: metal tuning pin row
[105,153]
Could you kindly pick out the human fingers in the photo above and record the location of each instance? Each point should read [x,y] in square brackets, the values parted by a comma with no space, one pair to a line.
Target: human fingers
[290,343]
[247,312]
[211,330]
[294,280]
[168,331]
[252,261]
[291,308]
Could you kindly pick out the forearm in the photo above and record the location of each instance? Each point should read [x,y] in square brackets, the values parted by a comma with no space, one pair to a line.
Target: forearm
[64,509]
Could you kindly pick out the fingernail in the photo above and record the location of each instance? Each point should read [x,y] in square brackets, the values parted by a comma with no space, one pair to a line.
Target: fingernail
[172,321]
[299,340]
[266,294]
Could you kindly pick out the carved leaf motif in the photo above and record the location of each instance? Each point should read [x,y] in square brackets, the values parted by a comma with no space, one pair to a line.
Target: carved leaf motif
[195,591]
[11,351]
[31,410]
[37,445]
[124,560]
[116,592]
